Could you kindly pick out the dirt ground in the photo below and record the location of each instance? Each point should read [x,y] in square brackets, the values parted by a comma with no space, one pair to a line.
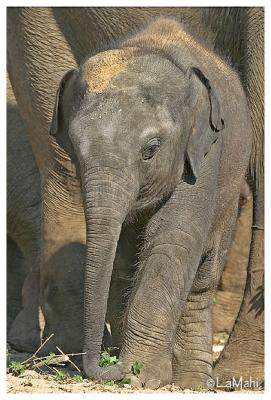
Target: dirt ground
[32,382]
[49,381]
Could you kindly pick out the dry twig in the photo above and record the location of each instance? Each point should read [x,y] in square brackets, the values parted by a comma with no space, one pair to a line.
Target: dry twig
[54,359]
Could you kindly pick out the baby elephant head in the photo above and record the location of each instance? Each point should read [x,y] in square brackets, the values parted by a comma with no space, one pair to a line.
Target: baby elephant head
[137,124]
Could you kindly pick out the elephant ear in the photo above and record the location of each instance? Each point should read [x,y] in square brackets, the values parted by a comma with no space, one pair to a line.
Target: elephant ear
[207,120]
[58,111]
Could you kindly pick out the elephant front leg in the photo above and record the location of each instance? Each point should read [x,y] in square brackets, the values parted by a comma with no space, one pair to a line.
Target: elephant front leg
[164,279]
[193,356]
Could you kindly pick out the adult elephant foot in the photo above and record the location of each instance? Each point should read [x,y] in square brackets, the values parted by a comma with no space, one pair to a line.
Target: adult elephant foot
[24,334]
[243,356]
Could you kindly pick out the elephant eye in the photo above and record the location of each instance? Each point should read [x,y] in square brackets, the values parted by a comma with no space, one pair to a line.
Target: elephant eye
[150,149]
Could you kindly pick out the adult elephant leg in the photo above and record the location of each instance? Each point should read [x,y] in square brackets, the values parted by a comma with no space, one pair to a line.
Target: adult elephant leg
[24,228]
[243,355]
[63,255]
[24,333]
[38,56]
[16,273]
[193,357]
[23,225]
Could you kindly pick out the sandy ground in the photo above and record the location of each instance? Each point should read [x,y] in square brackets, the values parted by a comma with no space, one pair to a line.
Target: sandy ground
[32,382]
[45,381]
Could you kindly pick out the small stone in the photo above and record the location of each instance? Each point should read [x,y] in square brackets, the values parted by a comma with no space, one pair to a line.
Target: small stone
[28,383]
[152,384]
[30,374]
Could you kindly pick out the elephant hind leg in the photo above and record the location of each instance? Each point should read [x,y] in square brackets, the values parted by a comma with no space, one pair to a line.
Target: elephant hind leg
[192,355]
[244,353]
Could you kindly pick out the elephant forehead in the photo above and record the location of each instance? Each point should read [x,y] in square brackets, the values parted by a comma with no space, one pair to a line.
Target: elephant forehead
[98,71]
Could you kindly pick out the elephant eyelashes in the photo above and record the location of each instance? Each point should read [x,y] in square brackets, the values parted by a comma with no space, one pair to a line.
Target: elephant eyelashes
[150,149]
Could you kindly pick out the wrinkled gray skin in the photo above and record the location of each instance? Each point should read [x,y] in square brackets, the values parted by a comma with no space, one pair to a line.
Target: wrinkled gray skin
[244,353]
[36,66]
[23,229]
[154,130]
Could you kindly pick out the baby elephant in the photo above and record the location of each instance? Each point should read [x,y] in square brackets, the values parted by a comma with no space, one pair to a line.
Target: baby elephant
[159,131]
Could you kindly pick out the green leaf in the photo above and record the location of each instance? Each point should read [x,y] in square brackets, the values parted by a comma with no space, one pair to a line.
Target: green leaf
[78,378]
[17,368]
[136,367]
[61,375]
[124,381]
[109,383]
[106,359]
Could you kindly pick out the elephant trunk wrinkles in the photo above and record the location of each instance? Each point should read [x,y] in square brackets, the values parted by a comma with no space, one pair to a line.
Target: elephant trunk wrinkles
[107,202]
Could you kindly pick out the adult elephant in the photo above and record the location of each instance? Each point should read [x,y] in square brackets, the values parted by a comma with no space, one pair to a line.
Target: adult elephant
[44,43]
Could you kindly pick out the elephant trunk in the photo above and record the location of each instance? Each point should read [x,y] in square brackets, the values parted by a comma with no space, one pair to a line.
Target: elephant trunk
[107,202]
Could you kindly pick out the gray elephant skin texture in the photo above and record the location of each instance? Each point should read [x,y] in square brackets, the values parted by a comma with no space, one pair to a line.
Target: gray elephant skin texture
[23,233]
[43,44]
[159,131]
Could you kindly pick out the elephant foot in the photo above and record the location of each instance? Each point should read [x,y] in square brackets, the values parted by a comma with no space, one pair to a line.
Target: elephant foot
[149,373]
[24,334]
[193,370]
[141,372]
[114,372]
[240,366]
[154,377]
[194,380]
